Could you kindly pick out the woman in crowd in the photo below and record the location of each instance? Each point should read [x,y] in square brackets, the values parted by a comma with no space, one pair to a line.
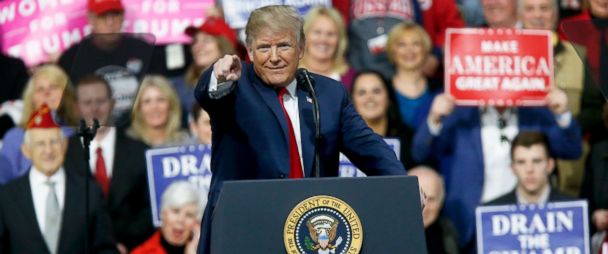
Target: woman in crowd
[156,113]
[408,47]
[326,44]
[374,101]
[48,85]
[200,125]
[210,41]
[181,212]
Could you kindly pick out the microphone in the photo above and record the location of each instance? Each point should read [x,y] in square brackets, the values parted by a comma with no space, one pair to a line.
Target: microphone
[308,85]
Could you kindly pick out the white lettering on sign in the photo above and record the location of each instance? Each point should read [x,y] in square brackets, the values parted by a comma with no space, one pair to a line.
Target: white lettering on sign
[160,6]
[185,165]
[500,46]
[499,65]
[517,223]
[559,250]
[26,8]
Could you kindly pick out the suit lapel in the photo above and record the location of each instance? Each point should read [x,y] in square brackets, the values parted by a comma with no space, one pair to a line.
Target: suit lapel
[27,207]
[70,214]
[270,97]
[307,132]
[120,155]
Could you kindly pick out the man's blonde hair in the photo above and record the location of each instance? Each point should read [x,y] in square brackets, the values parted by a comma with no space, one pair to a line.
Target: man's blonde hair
[275,19]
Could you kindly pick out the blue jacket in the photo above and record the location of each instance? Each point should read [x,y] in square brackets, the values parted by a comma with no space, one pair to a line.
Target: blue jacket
[250,139]
[458,149]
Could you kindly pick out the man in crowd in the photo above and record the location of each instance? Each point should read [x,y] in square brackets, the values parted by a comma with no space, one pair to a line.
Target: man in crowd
[263,122]
[532,165]
[121,59]
[440,234]
[44,211]
[500,13]
[472,144]
[584,99]
[117,163]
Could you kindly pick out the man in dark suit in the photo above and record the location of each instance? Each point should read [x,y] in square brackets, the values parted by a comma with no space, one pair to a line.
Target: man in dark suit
[262,120]
[532,165]
[117,163]
[43,211]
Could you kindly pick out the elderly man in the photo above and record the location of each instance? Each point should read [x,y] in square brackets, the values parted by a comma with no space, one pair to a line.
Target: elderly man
[117,163]
[440,234]
[43,211]
[262,119]
[584,99]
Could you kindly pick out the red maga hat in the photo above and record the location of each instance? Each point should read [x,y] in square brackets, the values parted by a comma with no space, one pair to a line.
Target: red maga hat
[102,6]
[42,119]
[217,27]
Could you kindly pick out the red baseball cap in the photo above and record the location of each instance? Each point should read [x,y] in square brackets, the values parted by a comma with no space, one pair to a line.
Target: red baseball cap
[42,119]
[217,27]
[102,6]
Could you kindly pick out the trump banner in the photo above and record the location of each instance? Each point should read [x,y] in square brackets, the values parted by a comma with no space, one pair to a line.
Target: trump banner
[347,169]
[179,163]
[39,30]
[502,67]
[236,12]
[552,228]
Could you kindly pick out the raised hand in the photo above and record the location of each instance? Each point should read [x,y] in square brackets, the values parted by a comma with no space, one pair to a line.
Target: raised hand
[227,68]
[442,106]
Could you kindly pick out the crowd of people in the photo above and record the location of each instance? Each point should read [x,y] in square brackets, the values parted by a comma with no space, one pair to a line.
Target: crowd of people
[388,56]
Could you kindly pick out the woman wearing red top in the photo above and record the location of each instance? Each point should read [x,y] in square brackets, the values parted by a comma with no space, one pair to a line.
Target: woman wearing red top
[181,213]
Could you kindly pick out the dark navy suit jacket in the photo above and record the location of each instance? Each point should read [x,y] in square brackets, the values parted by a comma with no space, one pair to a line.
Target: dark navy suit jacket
[250,138]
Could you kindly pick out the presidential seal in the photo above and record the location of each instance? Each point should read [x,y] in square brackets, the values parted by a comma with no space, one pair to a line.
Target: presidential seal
[323,225]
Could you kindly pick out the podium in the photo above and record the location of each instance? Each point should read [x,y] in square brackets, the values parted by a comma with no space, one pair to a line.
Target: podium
[313,215]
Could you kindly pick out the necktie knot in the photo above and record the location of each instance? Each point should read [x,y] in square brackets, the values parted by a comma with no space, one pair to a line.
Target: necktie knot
[98,151]
[50,184]
[281,91]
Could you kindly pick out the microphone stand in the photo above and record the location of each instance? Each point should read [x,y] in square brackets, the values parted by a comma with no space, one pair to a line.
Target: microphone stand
[317,119]
[87,134]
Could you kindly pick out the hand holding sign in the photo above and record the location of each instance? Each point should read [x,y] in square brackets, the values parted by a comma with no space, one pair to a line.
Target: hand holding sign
[557,101]
[442,106]
[228,68]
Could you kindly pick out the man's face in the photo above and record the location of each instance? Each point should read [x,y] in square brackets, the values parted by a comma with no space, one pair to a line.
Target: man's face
[532,167]
[46,149]
[538,14]
[94,102]
[275,57]
[106,23]
[434,198]
[599,8]
[500,13]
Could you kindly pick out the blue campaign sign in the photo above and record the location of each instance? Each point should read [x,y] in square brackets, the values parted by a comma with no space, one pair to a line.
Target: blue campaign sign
[179,163]
[236,12]
[347,169]
[552,228]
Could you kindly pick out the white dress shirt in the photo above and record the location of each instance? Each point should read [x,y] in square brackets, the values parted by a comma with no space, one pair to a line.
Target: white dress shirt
[290,101]
[107,145]
[40,191]
[498,176]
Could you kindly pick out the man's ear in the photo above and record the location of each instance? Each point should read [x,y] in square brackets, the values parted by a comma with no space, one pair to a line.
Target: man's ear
[550,165]
[250,53]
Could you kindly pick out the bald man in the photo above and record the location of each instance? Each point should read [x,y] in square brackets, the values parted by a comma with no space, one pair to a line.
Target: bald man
[441,237]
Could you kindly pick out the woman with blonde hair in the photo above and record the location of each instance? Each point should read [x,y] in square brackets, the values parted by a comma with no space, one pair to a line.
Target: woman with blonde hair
[408,48]
[156,113]
[326,44]
[48,85]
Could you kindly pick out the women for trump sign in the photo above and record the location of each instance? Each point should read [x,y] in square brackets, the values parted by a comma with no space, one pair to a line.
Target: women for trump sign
[501,67]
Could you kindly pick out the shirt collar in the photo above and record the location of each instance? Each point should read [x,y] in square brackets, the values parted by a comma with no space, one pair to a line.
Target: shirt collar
[291,88]
[544,197]
[37,177]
